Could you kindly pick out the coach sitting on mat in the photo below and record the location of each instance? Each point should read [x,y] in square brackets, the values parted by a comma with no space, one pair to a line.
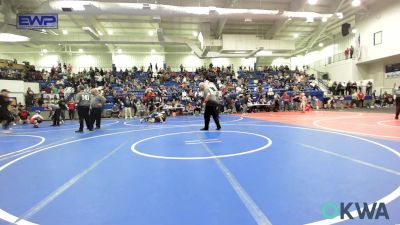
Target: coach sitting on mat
[82,99]
[96,104]
[210,94]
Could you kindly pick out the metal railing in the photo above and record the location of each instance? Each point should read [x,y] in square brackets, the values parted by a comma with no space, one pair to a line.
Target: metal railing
[331,60]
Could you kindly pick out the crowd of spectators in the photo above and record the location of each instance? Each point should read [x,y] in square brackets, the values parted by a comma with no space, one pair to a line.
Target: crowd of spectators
[357,94]
[141,88]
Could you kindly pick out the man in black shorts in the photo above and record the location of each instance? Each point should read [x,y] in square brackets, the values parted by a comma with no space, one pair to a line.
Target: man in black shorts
[210,94]
[82,99]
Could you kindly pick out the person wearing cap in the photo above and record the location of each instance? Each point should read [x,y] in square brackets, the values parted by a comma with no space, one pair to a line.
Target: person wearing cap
[82,99]
[210,94]
[36,119]
[5,115]
[397,96]
[96,107]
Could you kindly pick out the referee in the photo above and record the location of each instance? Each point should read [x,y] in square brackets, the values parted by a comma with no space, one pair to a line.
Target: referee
[210,94]
[96,104]
[82,99]
[397,94]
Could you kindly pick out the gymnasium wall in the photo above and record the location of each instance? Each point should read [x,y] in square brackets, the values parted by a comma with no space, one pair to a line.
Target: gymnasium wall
[382,17]
[126,60]
[376,70]
[318,57]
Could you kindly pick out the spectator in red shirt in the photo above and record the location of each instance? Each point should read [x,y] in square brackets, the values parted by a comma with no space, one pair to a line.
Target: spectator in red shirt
[286,100]
[346,52]
[361,98]
[71,109]
[23,116]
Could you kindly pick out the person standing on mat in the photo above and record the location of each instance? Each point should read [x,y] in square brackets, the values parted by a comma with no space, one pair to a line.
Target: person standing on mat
[83,101]
[5,115]
[210,94]
[397,95]
[96,104]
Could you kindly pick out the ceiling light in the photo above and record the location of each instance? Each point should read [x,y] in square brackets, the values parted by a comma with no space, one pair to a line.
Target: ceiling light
[264,53]
[80,50]
[54,33]
[65,32]
[119,51]
[110,32]
[290,18]
[151,33]
[99,33]
[44,51]
[73,5]
[41,54]
[324,19]
[356,3]
[310,19]
[296,35]
[321,45]
[339,15]
[195,34]
[6,37]
[59,43]
[146,6]
[354,31]
[312,2]
[248,20]
[91,32]
[212,9]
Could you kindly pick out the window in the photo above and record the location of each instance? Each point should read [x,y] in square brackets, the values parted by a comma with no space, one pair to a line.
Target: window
[378,38]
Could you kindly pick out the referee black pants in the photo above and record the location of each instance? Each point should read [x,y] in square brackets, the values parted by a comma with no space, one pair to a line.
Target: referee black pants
[208,112]
[95,116]
[397,108]
[56,117]
[83,113]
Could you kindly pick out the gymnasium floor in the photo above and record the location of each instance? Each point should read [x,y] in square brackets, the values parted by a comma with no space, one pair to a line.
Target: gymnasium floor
[265,168]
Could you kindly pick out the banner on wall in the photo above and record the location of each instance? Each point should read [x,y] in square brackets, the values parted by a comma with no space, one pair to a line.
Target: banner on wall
[37,21]
[392,70]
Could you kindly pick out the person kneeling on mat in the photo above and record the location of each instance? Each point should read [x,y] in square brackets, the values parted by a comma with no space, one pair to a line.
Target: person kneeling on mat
[56,110]
[155,117]
[36,119]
